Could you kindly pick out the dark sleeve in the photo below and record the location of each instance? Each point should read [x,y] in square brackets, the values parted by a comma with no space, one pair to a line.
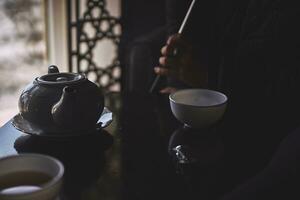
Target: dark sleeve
[269,47]
[264,101]
[279,180]
[268,65]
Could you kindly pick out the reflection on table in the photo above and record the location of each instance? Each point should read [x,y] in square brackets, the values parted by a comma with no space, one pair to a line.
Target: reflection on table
[133,157]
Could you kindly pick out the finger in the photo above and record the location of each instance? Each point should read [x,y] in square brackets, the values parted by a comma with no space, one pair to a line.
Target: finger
[174,43]
[173,39]
[168,50]
[168,90]
[163,51]
[163,61]
[168,62]
[161,71]
[166,72]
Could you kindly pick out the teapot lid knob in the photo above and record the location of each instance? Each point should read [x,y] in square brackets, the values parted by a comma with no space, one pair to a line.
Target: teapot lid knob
[53,69]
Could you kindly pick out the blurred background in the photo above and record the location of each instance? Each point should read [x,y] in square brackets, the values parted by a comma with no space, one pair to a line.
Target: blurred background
[22,50]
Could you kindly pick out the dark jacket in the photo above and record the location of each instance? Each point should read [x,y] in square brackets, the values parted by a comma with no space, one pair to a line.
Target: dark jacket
[279,179]
[254,58]
[259,69]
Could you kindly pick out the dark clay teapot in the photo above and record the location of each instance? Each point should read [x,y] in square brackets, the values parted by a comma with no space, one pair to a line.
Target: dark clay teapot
[62,102]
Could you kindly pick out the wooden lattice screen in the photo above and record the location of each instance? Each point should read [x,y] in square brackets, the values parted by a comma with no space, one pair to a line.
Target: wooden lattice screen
[89,24]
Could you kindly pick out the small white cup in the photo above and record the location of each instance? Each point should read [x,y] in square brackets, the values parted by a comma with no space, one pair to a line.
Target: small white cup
[198,108]
[38,163]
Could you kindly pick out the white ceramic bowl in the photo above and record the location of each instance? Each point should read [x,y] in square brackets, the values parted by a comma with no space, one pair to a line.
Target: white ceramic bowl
[198,108]
[33,163]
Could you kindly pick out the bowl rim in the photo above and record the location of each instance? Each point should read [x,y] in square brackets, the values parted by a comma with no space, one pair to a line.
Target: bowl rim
[54,180]
[183,104]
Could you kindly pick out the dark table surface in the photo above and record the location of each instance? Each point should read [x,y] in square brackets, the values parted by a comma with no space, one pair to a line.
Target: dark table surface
[130,159]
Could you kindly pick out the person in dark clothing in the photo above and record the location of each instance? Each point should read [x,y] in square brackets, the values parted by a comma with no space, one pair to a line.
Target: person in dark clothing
[252,54]
[279,179]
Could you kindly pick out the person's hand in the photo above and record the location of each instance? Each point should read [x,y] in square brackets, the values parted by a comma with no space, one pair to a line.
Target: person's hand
[168,90]
[178,60]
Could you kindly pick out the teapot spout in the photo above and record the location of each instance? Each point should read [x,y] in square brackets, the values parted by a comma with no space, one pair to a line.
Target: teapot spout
[63,112]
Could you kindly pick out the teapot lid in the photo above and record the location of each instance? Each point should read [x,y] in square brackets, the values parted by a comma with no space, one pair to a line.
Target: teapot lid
[61,78]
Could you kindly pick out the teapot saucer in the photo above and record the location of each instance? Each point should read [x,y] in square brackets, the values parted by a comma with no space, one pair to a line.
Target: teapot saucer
[27,127]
